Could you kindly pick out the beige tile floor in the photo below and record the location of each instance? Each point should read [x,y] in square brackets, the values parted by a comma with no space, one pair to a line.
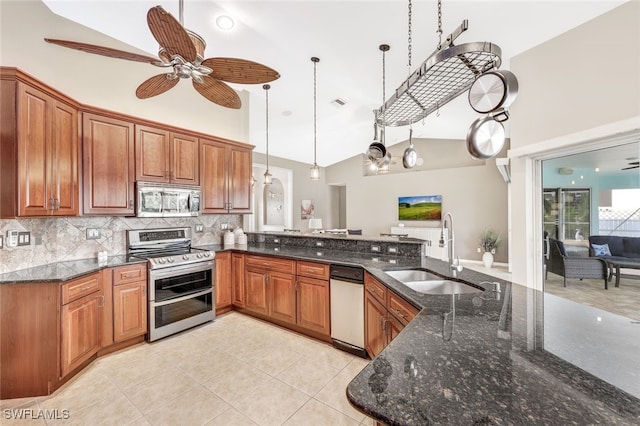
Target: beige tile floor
[234,371]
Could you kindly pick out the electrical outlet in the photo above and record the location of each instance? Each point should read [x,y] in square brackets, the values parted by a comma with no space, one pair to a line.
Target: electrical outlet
[199,227]
[93,233]
[224,226]
[1,241]
[12,238]
[24,238]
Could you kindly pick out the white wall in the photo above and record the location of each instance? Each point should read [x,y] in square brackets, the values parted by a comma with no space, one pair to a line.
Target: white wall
[105,82]
[580,86]
[473,191]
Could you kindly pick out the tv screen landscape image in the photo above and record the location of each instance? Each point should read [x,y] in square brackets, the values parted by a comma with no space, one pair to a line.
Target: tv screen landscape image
[425,207]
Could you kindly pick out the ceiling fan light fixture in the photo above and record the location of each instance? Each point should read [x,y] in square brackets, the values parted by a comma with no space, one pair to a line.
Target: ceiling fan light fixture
[225,22]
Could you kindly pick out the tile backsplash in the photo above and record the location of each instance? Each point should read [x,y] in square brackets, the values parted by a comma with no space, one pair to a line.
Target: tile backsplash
[58,239]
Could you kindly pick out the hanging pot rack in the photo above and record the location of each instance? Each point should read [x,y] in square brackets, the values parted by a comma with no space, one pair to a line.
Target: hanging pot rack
[447,73]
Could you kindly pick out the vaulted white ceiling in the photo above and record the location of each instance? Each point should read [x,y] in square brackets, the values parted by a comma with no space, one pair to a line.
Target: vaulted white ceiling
[345,35]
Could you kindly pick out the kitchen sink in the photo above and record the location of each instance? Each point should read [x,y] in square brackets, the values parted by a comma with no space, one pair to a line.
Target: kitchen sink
[428,283]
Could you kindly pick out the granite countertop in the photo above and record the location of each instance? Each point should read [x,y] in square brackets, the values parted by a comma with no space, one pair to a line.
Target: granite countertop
[63,271]
[481,359]
[467,359]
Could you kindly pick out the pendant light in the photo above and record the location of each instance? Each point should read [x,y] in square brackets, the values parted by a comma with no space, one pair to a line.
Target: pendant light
[267,175]
[315,170]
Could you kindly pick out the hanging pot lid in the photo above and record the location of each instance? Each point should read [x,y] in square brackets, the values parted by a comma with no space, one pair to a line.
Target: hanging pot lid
[485,138]
[410,156]
[493,90]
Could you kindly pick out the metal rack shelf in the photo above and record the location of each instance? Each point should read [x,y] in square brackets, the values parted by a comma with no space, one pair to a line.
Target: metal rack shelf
[442,77]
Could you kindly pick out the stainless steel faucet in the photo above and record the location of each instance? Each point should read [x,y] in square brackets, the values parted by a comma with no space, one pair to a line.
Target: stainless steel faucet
[454,262]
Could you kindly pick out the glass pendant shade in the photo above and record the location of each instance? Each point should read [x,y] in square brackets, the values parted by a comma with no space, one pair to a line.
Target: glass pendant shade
[315,172]
[267,178]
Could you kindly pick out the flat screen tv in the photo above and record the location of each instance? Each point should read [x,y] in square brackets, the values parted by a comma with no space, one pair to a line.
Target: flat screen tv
[424,207]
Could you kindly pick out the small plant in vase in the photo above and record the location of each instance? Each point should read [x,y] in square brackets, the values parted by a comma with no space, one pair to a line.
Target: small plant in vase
[489,241]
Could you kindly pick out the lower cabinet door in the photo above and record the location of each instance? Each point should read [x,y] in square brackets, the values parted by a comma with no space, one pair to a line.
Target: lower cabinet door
[283,296]
[393,327]
[313,305]
[375,317]
[237,279]
[223,280]
[255,291]
[80,331]
[129,310]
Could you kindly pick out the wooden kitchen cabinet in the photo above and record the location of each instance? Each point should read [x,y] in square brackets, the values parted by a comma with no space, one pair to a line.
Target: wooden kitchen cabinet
[39,161]
[81,316]
[166,157]
[130,301]
[270,287]
[256,297]
[386,314]
[313,310]
[312,297]
[108,165]
[237,279]
[225,177]
[223,289]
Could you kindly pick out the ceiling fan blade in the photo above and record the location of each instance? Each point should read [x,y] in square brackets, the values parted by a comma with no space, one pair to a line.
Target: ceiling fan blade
[241,71]
[169,34]
[104,51]
[156,85]
[218,92]
[629,168]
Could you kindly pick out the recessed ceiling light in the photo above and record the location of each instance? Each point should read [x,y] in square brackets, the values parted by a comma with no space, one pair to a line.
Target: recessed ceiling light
[597,169]
[225,22]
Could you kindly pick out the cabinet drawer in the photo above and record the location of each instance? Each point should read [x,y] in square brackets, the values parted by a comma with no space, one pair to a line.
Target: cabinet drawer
[313,270]
[130,273]
[376,289]
[400,308]
[75,289]
[271,263]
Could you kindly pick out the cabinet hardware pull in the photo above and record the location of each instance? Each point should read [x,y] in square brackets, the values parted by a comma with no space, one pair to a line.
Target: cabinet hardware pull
[51,205]
[372,290]
[101,301]
[399,312]
[57,203]
[130,204]
[86,287]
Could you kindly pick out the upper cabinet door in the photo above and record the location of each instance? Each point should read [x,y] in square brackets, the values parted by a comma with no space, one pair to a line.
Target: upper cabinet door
[240,180]
[47,155]
[152,154]
[213,177]
[64,143]
[108,165]
[184,159]
[34,152]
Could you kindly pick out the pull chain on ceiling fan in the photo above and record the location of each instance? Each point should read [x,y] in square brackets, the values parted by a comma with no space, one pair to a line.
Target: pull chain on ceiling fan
[183,51]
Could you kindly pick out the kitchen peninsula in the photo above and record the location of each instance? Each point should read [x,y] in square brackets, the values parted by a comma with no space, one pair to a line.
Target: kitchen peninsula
[476,358]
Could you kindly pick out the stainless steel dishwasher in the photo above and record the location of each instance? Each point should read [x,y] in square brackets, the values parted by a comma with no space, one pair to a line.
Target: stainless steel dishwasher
[347,308]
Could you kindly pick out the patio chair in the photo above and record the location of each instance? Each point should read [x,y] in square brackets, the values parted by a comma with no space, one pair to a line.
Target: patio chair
[566,266]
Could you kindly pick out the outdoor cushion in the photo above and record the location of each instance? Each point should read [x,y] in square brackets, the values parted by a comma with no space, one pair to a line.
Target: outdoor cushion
[614,242]
[631,247]
[601,250]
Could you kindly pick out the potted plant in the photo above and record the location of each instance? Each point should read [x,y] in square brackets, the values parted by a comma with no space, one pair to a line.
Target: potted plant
[489,241]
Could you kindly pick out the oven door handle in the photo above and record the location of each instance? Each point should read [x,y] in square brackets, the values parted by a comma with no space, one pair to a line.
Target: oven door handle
[172,271]
[180,299]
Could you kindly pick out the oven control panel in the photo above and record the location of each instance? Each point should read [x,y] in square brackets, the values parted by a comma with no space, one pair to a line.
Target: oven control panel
[181,259]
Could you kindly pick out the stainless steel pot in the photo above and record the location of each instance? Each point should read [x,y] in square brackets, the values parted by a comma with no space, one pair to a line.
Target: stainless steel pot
[493,90]
[485,138]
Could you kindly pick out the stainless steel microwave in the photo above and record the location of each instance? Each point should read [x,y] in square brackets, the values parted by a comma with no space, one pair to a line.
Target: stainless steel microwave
[167,200]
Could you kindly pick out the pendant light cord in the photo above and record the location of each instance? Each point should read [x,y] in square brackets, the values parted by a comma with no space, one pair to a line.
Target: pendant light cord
[315,107]
[266,88]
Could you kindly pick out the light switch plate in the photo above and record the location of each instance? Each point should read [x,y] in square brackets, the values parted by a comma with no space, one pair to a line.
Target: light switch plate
[12,238]
[24,238]
[94,233]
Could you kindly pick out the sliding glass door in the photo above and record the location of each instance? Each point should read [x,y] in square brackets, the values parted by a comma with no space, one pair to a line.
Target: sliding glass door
[567,213]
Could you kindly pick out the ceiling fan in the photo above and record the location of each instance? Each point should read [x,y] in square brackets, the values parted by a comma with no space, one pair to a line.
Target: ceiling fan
[182,51]
[632,165]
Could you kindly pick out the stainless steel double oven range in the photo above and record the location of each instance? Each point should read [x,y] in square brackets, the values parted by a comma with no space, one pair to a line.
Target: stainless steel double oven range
[181,279]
